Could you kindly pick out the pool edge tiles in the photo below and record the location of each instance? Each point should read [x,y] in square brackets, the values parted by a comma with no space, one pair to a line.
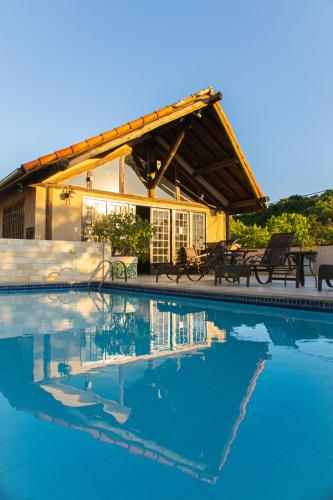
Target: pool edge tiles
[313,304]
[305,303]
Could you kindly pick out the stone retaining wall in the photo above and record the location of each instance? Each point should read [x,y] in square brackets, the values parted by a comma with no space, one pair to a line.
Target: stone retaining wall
[44,260]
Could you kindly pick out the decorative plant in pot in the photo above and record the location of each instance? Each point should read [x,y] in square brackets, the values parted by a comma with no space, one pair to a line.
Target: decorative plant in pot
[128,236]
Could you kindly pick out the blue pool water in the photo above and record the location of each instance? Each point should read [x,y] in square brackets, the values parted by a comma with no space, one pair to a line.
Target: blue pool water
[129,396]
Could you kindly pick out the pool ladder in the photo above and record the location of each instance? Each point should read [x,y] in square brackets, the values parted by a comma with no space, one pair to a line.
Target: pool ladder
[107,273]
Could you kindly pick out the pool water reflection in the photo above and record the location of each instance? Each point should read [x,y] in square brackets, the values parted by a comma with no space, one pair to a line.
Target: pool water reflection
[133,396]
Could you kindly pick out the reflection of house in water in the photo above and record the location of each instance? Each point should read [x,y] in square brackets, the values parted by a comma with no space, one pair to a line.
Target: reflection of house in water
[159,406]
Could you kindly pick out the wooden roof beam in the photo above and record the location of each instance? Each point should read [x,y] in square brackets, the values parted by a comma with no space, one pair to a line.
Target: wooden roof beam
[249,202]
[201,180]
[170,157]
[211,167]
[88,164]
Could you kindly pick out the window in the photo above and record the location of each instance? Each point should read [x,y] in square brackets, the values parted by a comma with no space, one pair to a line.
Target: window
[181,231]
[13,221]
[104,178]
[160,328]
[198,231]
[160,243]
[94,208]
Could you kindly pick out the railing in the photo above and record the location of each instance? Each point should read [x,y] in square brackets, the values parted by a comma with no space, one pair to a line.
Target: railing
[109,271]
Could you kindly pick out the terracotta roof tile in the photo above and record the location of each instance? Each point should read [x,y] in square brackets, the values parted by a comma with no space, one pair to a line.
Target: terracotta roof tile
[62,153]
[107,136]
[165,111]
[93,141]
[48,158]
[32,164]
[123,129]
[150,117]
[136,123]
[80,146]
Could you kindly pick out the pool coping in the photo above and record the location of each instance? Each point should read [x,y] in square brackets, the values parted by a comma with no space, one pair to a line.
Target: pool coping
[305,303]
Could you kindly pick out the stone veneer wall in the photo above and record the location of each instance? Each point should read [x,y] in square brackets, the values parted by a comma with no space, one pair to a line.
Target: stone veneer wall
[31,261]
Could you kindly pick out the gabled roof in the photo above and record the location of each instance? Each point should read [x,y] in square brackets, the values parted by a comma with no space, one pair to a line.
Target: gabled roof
[210,163]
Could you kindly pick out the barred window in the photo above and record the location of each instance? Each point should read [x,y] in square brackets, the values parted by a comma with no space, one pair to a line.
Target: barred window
[13,221]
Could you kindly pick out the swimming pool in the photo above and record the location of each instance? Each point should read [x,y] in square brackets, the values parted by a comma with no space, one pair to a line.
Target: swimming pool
[127,395]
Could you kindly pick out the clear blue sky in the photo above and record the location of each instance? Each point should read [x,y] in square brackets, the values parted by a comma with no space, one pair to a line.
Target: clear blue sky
[71,69]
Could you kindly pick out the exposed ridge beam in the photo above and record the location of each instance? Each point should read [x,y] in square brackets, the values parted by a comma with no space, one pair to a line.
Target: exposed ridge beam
[183,163]
[211,167]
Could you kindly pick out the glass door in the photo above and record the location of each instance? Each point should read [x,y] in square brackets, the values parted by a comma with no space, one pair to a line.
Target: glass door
[198,230]
[160,243]
[181,232]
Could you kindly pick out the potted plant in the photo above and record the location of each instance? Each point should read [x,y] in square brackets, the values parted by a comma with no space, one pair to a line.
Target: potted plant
[128,236]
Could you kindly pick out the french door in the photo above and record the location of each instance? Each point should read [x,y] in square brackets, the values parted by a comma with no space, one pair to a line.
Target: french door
[198,230]
[175,229]
[160,243]
[181,231]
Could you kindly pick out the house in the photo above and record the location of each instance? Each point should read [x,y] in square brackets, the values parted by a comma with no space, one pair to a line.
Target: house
[180,167]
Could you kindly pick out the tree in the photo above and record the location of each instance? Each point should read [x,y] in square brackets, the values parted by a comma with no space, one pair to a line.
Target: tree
[311,217]
[293,223]
[249,236]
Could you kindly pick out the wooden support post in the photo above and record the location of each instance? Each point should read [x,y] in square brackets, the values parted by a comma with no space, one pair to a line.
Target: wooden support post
[177,185]
[227,226]
[48,213]
[169,158]
[121,175]
[150,180]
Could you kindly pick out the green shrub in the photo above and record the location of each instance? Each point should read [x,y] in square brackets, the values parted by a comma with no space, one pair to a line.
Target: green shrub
[127,234]
[254,236]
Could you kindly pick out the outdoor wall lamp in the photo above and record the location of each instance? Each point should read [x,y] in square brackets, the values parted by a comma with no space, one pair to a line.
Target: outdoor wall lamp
[66,195]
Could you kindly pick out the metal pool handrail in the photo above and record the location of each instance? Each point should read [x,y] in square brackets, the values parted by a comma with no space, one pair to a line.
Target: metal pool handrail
[108,272]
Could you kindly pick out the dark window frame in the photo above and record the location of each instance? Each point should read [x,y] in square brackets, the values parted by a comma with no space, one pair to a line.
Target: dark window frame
[13,220]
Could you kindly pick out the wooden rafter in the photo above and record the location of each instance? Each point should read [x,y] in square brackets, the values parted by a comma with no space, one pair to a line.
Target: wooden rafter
[201,180]
[249,202]
[172,152]
[211,167]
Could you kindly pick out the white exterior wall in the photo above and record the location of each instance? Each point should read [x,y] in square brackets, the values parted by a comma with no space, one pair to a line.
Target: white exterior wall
[325,256]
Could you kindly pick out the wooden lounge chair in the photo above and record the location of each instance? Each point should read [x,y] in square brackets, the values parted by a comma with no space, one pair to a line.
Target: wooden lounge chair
[275,261]
[325,272]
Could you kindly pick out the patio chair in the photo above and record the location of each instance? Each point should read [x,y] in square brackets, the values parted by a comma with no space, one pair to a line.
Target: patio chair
[275,261]
[195,271]
[325,272]
[194,265]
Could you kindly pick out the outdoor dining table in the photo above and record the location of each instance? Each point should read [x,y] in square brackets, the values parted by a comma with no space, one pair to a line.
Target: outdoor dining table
[298,256]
